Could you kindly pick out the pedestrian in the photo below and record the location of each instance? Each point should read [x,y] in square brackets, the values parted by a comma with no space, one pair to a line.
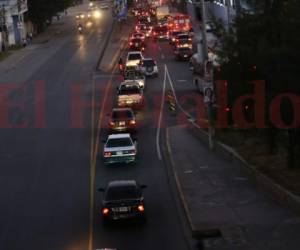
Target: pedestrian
[24,42]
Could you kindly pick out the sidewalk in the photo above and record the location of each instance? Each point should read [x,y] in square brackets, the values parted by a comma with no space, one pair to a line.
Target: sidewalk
[218,195]
[116,44]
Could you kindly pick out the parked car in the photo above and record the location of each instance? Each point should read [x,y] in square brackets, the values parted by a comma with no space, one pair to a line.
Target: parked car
[149,67]
[123,200]
[122,120]
[119,148]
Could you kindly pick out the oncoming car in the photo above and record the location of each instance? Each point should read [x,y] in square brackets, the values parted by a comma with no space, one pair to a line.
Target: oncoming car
[119,148]
[123,200]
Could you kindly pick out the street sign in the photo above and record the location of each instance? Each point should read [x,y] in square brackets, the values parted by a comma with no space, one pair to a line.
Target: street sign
[208,95]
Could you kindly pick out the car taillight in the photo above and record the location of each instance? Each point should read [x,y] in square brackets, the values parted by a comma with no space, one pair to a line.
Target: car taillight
[111,124]
[190,39]
[107,154]
[143,48]
[130,43]
[132,122]
[105,211]
[131,152]
[155,33]
[141,208]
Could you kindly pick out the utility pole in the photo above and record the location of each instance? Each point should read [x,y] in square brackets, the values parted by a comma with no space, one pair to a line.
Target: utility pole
[208,79]
[228,14]
[3,27]
[203,29]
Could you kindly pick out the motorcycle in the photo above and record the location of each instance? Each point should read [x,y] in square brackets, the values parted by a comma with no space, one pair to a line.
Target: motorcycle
[80,29]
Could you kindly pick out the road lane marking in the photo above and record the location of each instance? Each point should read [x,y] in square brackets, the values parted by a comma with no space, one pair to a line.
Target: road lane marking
[188,115]
[181,80]
[94,151]
[160,116]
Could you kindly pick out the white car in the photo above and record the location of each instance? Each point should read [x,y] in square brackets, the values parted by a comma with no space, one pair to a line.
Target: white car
[135,75]
[134,58]
[149,67]
[119,148]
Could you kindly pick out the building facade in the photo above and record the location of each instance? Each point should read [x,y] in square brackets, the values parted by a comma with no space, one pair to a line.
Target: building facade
[12,24]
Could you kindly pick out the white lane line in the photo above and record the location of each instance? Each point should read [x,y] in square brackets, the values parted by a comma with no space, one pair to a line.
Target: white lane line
[175,96]
[181,80]
[160,116]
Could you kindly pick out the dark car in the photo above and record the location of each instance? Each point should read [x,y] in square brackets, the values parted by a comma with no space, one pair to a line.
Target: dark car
[123,199]
[137,44]
[183,40]
[122,120]
[183,53]
[160,32]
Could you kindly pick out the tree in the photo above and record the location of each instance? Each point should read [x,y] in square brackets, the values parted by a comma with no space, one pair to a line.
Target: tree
[265,45]
[39,11]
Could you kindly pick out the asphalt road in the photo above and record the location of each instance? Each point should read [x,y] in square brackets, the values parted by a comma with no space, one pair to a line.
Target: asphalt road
[46,150]
[45,142]
[165,223]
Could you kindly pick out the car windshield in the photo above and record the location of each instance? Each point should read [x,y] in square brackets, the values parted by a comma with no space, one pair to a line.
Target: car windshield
[148,63]
[161,28]
[122,193]
[136,40]
[122,114]
[184,50]
[183,37]
[133,74]
[134,57]
[129,90]
[119,142]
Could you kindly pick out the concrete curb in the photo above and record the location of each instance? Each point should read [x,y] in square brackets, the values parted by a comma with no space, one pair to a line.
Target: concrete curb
[107,39]
[196,233]
[277,192]
[179,188]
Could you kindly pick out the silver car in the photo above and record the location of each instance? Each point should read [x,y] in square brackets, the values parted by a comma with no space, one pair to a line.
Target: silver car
[119,148]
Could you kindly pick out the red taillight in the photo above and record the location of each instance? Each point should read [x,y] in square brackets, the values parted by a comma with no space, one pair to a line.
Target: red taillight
[112,124]
[143,48]
[141,208]
[130,43]
[132,122]
[107,154]
[105,211]
[190,39]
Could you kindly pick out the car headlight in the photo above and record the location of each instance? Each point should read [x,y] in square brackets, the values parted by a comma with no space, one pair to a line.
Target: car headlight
[97,14]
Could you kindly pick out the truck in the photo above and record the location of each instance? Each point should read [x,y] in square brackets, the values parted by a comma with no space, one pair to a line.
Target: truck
[162,11]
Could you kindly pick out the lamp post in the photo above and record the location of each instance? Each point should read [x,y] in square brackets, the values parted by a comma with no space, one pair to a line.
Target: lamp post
[203,30]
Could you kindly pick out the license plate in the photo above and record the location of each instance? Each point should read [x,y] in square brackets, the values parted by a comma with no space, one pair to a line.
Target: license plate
[121,123]
[119,153]
[185,56]
[136,45]
[123,209]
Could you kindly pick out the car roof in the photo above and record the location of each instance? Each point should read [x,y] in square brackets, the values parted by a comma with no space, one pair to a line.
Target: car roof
[130,83]
[134,52]
[148,59]
[121,109]
[117,136]
[118,183]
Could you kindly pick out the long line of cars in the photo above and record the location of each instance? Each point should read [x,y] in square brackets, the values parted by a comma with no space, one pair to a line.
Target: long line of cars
[123,199]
